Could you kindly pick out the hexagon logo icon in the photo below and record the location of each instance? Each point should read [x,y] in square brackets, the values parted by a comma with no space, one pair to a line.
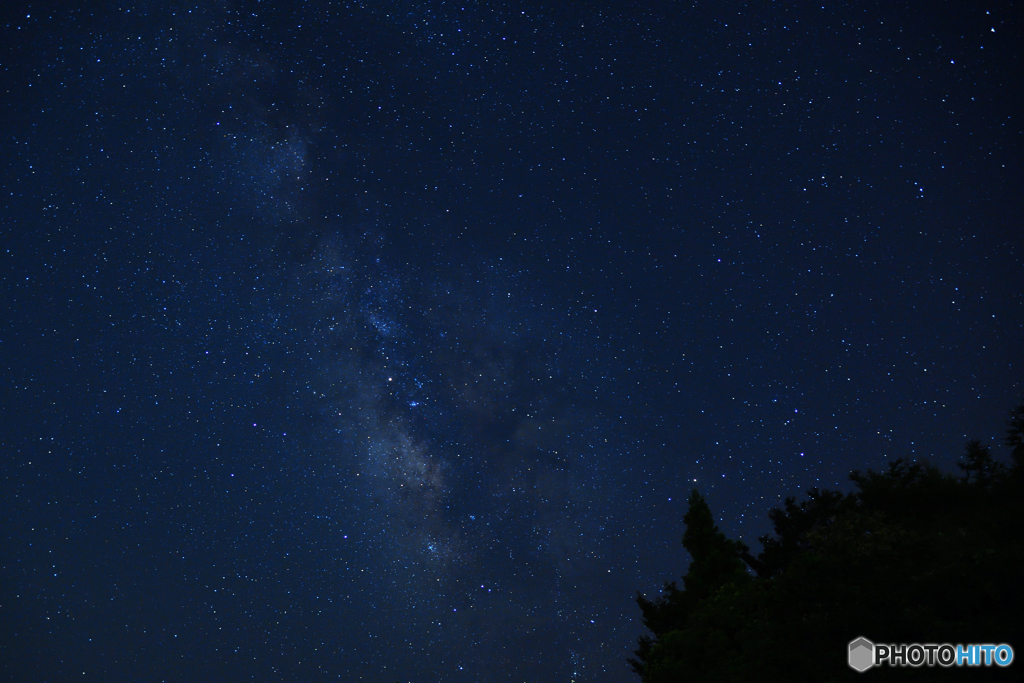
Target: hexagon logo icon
[861,654]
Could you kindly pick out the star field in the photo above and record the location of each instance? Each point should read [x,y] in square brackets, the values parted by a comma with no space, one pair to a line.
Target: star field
[386,340]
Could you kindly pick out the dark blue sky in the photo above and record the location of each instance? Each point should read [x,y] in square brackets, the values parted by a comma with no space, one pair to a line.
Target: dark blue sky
[385,341]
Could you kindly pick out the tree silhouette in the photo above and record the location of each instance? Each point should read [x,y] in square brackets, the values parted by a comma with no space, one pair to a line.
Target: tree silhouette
[716,562]
[792,525]
[913,555]
[978,461]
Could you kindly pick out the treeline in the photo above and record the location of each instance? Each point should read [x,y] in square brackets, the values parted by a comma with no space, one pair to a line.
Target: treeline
[912,555]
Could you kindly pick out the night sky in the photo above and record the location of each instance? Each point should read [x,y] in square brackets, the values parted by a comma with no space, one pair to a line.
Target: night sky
[377,341]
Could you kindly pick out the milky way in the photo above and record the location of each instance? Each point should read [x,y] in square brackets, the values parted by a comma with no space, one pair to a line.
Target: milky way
[472,472]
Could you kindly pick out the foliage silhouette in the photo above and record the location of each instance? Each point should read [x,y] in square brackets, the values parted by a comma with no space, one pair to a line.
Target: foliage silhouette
[913,555]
